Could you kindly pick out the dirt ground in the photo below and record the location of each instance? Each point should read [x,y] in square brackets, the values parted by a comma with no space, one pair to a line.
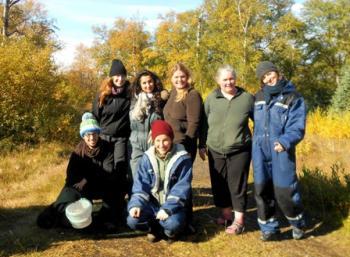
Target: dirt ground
[19,235]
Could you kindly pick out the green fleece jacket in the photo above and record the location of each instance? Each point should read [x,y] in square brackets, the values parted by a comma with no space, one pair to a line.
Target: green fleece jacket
[224,127]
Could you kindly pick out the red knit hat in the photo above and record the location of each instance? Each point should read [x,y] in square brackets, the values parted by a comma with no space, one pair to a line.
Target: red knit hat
[161,127]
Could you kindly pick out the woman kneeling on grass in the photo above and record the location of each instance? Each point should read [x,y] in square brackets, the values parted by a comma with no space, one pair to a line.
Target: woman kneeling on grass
[162,187]
[90,175]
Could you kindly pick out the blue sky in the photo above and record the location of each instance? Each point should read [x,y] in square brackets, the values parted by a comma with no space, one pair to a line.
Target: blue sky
[75,18]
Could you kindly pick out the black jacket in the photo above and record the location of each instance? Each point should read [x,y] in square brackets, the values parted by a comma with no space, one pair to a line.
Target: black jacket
[92,169]
[113,115]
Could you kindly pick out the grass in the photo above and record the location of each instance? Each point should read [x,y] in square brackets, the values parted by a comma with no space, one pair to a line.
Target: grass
[30,179]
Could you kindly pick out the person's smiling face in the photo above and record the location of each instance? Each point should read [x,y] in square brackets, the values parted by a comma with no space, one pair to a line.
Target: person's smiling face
[179,79]
[227,82]
[270,78]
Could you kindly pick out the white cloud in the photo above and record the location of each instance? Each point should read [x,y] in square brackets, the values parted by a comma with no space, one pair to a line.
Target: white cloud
[65,57]
[151,25]
[297,9]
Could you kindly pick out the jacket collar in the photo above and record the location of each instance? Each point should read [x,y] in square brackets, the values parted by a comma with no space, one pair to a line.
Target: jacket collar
[218,93]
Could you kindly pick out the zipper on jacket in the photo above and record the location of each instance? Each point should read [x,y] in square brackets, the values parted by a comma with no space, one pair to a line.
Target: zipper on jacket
[222,131]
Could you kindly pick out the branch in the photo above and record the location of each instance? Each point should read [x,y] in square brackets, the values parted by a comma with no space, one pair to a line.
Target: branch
[12,3]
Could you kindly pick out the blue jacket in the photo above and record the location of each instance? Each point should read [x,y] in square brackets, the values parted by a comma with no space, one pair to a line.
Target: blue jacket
[282,120]
[177,183]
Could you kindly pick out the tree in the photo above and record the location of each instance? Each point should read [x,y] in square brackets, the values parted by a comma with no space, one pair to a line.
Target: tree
[6,16]
[27,19]
[126,40]
[82,78]
[341,97]
[27,89]
[326,47]
[175,41]
[234,29]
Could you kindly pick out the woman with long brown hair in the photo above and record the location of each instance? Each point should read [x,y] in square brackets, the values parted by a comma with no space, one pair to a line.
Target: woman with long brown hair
[147,101]
[183,109]
[111,109]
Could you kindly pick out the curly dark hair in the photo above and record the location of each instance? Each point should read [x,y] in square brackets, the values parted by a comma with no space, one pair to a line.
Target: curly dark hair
[157,102]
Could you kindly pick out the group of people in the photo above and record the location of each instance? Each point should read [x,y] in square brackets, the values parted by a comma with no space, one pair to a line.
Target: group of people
[141,141]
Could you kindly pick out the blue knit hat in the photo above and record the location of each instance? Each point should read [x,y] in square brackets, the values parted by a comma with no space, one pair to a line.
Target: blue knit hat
[89,124]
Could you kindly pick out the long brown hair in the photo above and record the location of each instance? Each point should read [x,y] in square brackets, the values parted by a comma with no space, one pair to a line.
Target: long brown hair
[157,102]
[105,90]
[182,93]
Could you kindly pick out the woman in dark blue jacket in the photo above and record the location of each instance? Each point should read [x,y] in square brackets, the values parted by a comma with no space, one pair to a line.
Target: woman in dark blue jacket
[162,187]
[279,125]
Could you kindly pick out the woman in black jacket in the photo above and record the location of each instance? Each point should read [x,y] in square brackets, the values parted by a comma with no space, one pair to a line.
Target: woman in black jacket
[111,109]
[90,175]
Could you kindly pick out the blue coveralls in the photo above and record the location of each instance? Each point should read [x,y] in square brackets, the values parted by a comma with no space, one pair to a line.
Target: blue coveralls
[275,179]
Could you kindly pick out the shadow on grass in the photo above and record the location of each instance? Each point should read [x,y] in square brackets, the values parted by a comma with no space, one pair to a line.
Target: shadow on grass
[20,234]
[326,200]
[205,215]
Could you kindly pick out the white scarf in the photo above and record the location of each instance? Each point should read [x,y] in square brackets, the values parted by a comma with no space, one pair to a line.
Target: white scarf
[142,106]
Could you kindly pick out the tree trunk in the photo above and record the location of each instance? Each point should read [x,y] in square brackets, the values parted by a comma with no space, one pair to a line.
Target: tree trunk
[5,18]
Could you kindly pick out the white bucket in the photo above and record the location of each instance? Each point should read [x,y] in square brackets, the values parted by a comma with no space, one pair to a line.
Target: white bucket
[79,213]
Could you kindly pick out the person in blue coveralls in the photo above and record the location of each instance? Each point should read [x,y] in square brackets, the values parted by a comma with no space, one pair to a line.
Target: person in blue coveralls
[279,125]
[161,191]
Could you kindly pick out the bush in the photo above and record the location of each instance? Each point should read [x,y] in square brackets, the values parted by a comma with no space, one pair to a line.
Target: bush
[36,102]
[330,125]
[326,196]
[27,86]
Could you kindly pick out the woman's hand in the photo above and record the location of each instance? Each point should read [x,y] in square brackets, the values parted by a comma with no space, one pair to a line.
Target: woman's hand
[162,215]
[80,184]
[135,212]
[278,147]
[202,153]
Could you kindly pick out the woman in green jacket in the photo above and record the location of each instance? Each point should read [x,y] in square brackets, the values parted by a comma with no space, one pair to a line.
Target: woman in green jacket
[226,139]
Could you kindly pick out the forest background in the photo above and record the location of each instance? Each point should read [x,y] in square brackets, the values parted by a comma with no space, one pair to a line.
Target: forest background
[41,103]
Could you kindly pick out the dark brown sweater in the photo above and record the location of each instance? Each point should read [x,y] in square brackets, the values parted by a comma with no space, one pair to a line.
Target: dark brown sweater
[184,116]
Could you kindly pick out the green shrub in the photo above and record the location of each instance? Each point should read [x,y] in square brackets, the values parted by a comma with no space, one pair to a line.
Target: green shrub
[326,195]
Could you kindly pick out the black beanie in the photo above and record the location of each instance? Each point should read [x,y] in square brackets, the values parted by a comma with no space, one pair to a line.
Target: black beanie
[263,68]
[117,68]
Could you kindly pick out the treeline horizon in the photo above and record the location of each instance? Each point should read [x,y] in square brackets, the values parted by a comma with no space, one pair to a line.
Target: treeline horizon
[40,102]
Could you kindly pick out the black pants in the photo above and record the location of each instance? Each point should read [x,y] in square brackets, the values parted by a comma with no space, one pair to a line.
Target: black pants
[106,188]
[229,178]
[121,162]
[190,145]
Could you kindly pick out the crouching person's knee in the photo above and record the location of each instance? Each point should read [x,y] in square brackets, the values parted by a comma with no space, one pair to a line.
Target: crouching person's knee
[137,224]
[174,225]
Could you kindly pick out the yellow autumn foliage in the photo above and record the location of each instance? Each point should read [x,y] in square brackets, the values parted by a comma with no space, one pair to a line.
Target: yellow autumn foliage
[328,125]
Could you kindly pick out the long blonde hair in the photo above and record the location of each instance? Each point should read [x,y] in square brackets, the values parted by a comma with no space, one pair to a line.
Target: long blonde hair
[181,94]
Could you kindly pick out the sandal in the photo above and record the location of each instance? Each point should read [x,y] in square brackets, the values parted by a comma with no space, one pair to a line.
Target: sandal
[235,228]
[224,222]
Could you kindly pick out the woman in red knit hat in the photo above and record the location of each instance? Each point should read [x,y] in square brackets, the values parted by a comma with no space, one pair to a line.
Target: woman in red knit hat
[162,187]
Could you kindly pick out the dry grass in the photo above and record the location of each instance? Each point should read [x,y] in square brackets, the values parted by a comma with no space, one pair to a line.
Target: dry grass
[31,179]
